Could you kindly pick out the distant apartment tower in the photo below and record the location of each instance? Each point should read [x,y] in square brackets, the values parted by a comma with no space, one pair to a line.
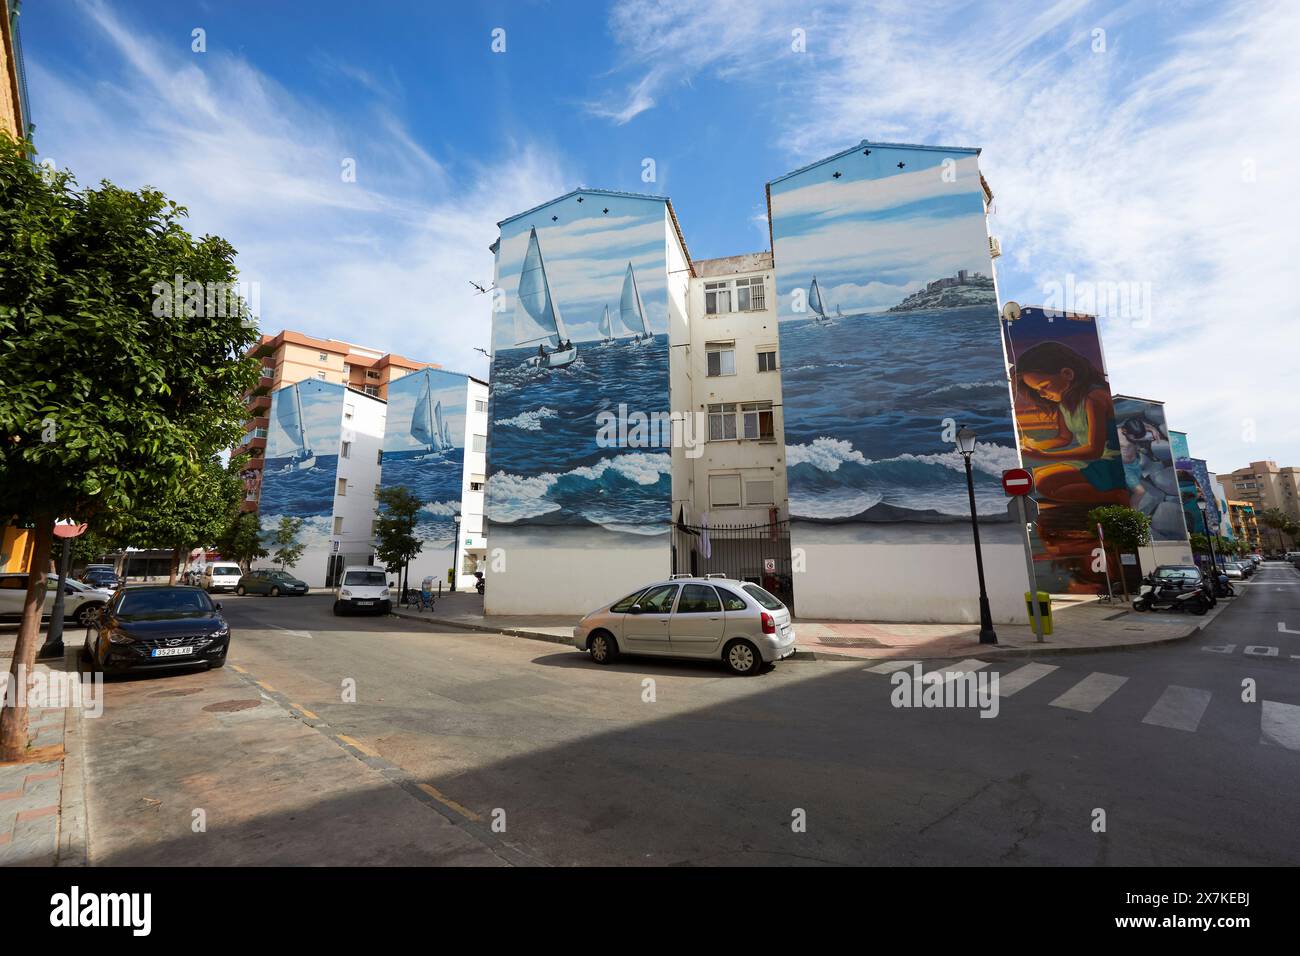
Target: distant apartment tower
[290,357]
[1266,487]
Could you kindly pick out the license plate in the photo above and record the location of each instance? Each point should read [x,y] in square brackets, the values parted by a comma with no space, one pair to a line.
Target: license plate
[785,630]
[364,603]
[172,651]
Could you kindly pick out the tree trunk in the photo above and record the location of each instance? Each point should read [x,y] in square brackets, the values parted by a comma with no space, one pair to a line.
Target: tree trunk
[13,720]
[175,565]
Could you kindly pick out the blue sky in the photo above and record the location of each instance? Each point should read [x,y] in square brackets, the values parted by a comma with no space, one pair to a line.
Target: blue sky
[1148,145]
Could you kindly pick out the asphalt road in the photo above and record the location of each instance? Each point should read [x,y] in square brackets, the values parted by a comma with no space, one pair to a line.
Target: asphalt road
[593,765]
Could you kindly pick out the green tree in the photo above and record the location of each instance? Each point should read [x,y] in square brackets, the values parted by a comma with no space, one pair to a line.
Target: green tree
[109,396]
[1283,524]
[288,549]
[192,514]
[242,539]
[1125,529]
[395,540]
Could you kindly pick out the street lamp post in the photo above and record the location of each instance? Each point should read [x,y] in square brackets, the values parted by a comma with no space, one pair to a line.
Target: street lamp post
[1209,543]
[455,554]
[966,445]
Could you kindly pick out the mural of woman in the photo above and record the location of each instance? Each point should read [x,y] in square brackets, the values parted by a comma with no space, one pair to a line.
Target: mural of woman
[1082,460]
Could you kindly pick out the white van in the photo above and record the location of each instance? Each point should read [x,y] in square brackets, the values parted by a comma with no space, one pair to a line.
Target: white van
[365,588]
[221,576]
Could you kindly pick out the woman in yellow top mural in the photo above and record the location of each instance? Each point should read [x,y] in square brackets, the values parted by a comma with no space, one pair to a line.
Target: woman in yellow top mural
[1082,460]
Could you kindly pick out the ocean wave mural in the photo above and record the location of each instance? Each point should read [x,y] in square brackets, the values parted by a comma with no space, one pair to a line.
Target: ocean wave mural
[888,336]
[302,445]
[580,327]
[424,449]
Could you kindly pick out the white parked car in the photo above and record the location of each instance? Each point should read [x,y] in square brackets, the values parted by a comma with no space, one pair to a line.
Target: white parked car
[81,603]
[222,576]
[713,618]
[363,588]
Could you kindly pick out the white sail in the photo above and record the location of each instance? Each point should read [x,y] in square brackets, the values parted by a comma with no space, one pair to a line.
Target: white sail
[422,417]
[288,412]
[631,310]
[439,428]
[446,434]
[606,330]
[538,318]
[815,299]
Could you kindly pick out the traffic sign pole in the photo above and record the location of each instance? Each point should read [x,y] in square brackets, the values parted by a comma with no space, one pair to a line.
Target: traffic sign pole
[1033,576]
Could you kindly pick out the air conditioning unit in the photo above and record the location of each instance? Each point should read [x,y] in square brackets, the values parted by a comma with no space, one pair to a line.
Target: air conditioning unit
[995,246]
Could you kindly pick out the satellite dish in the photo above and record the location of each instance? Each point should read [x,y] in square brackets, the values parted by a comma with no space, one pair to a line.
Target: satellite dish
[1011,311]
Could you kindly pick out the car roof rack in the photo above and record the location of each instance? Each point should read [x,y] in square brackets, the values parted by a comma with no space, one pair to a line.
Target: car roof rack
[682,574]
[718,574]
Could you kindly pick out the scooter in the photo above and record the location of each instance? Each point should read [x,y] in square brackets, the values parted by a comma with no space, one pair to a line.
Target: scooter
[479,585]
[1155,597]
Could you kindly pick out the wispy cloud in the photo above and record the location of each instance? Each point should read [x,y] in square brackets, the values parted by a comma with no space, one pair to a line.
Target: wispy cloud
[384,261]
[1158,151]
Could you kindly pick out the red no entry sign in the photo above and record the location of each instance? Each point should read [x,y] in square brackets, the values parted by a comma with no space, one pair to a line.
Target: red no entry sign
[1017,481]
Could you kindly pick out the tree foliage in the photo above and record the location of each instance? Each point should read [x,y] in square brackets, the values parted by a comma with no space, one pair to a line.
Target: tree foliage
[395,540]
[288,549]
[241,540]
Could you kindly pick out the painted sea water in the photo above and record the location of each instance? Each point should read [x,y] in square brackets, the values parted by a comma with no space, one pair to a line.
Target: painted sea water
[871,384]
[544,435]
[299,491]
[436,481]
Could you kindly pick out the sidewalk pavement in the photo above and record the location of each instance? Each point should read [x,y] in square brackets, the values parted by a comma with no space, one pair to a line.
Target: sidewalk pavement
[1081,625]
[42,807]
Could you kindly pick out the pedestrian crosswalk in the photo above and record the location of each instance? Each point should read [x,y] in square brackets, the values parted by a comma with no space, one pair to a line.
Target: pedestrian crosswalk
[1177,707]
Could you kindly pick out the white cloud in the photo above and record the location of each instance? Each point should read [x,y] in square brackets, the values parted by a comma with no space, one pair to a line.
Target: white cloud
[385,261]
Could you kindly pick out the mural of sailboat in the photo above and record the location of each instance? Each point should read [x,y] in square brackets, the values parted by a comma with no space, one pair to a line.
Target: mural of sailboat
[427,425]
[288,412]
[815,302]
[539,320]
[606,329]
[632,311]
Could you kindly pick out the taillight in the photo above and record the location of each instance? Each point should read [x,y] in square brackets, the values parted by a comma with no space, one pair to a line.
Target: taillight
[769,624]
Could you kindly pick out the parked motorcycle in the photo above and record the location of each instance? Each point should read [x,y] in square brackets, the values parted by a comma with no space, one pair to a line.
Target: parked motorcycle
[1158,597]
[479,584]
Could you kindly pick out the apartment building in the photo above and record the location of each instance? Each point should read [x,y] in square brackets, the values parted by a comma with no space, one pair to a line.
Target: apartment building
[15,111]
[1244,523]
[290,357]
[1265,486]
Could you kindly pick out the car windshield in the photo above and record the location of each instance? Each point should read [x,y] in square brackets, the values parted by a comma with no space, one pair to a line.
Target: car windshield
[365,579]
[226,569]
[763,597]
[162,602]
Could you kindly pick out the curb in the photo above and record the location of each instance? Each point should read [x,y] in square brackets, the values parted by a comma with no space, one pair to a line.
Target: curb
[72,849]
[508,631]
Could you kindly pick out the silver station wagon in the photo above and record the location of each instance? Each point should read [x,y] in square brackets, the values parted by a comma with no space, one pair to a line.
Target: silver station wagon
[713,618]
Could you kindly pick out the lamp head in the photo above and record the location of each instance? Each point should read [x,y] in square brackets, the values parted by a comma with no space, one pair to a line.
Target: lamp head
[966,440]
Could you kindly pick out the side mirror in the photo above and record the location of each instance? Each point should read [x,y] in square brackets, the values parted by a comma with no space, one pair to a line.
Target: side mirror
[635,609]
[216,605]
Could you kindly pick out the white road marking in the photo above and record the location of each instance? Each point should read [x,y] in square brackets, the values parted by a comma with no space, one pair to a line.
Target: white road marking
[1283,629]
[1179,708]
[1091,692]
[1220,648]
[1022,677]
[306,634]
[890,666]
[1280,724]
[1255,650]
[961,667]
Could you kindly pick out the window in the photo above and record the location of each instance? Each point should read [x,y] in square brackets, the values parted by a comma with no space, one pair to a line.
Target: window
[338,525]
[372,374]
[621,607]
[345,450]
[767,360]
[372,390]
[750,295]
[717,297]
[379,457]
[658,600]
[476,486]
[758,420]
[348,411]
[732,601]
[343,486]
[479,443]
[760,493]
[321,376]
[763,597]
[324,357]
[699,599]
[259,432]
[347,369]
[480,405]
[722,358]
[268,371]
[722,422]
[724,491]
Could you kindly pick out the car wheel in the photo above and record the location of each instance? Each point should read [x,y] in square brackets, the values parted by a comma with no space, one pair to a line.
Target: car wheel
[742,658]
[275,592]
[240,590]
[87,613]
[1199,608]
[603,647]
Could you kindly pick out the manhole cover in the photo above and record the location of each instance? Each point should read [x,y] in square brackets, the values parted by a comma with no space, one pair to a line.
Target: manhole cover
[850,642]
[229,706]
[184,692]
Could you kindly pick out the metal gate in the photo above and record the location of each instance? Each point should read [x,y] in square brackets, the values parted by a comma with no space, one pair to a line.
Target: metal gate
[759,553]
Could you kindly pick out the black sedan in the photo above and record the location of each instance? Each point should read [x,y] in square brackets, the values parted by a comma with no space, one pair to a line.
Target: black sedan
[155,627]
[101,578]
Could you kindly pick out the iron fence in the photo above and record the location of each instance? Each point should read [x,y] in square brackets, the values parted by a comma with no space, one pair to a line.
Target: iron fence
[759,553]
